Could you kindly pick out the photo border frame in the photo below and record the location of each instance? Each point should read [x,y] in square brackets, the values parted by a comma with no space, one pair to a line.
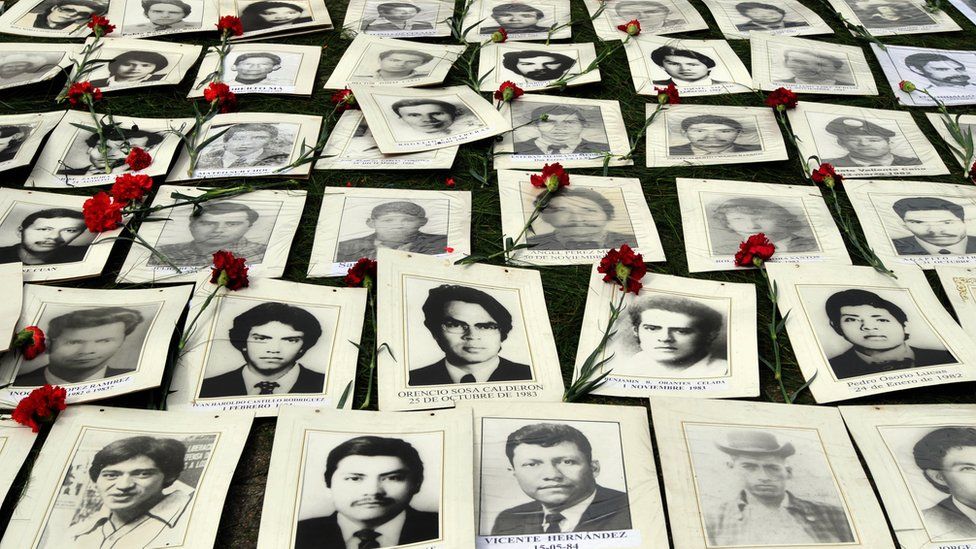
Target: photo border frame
[343,74]
[334,156]
[606,28]
[45,122]
[759,46]
[722,10]
[642,70]
[304,77]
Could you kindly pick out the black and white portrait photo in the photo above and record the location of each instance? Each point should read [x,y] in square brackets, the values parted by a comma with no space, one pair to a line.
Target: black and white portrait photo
[949,75]
[393,65]
[738,19]
[127,63]
[248,145]
[213,226]
[262,68]
[712,134]
[12,137]
[521,20]
[84,156]
[784,220]
[655,16]
[685,67]
[431,118]
[582,218]
[157,17]
[558,129]
[351,146]
[400,18]
[801,64]
[274,15]
[690,135]
[37,235]
[816,67]
[133,67]
[695,67]
[944,456]
[398,225]
[537,65]
[867,144]
[893,17]
[22,66]
[938,226]
[390,62]
[760,16]
[63,18]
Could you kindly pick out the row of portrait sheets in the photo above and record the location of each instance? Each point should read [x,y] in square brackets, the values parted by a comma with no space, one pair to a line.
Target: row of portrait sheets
[486,475]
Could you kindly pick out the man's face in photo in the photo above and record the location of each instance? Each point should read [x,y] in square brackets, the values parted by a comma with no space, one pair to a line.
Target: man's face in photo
[515,20]
[116,150]
[543,67]
[764,16]
[399,13]
[217,230]
[427,117]
[371,489]
[937,227]
[468,334]
[17,67]
[872,328]
[558,476]
[685,68]
[69,13]
[255,68]
[958,474]
[561,128]
[866,146]
[246,142]
[164,15]
[400,62]
[946,71]
[653,14]
[747,223]
[273,346]
[396,226]
[711,137]
[86,348]
[809,65]
[762,476]
[44,235]
[134,69]
[575,217]
[670,337]
[130,486]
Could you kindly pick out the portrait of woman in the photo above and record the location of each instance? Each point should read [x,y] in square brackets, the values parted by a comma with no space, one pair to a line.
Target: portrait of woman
[734,220]
[268,15]
[61,14]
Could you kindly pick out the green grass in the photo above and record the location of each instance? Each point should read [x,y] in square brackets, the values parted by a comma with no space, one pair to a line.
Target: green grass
[564,286]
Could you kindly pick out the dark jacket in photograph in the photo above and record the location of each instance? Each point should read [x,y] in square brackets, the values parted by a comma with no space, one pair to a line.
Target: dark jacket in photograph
[324,532]
[909,246]
[65,254]
[365,246]
[946,521]
[686,150]
[610,510]
[529,147]
[35,378]
[753,26]
[849,364]
[232,383]
[436,373]
[848,162]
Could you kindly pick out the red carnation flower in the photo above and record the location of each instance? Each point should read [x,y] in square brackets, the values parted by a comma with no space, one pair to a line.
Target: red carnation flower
[100,25]
[668,94]
[344,99]
[130,187]
[229,270]
[102,213]
[553,177]
[362,274]
[754,250]
[499,35]
[30,341]
[825,174]
[781,99]
[220,93]
[450,182]
[508,91]
[230,25]
[907,86]
[83,92]
[40,407]
[623,267]
[138,159]
[632,27]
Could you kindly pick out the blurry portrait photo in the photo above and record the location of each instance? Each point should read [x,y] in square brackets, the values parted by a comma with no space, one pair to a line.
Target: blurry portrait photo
[582,219]
[248,145]
[234,226]
[559,129]
[128,63]
[801,64]
[884,14]
[263,68]
[83,156]
[399,18]
[712,134]
[375,60]
[398,225]
[784,220]
[351,145]
[52,17]
[759,16]
[150,17]
[524,20]
[18,68]
[704,135]
[949,75]
[867,144]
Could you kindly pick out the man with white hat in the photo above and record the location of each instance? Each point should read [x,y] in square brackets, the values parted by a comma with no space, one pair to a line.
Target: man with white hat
[23,67]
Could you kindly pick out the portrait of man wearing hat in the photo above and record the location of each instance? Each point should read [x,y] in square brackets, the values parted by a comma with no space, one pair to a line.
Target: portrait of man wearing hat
[764,511]
[867,144]
[21,68]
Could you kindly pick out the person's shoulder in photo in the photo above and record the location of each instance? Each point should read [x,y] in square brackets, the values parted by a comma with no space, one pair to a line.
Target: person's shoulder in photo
[516,18]
[133,67]
[84,345]
[470,327]
[163,16]
[560,129]
[272,338]
[259,69]
[63,15]
[46,238]
[765,511]
[945,74]
[553,464]
[398,64]
[245,145]
[429,118]
[396,225]
[215,226]
[765,17]
[396,16]
[273,14]
[735,219]
[711,134]
[580,219]
[371,480]
[652,15]
[118,142]
[938,227]
[816,68]
[888,15]
[684,67]
[946,456]
[538,65]
[16,67]
[877,332]
[867,144]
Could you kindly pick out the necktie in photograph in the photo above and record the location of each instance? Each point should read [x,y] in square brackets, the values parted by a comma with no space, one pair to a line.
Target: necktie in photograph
[552,522]
[267,387]
[555,149]
[468,378]
[367,538]
[944,251]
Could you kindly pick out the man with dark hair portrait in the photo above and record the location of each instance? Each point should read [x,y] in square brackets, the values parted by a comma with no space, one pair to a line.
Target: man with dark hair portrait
[214,226]
[372,481]
[163,15]
[62,14]
[18,67]
[684,67]
[255,68]
[711,134]
[938,227]
[516,18]
[245,145]
[272,337]
[45,238]
[427,116]
[401,64]
[764,17]
[816,68]
[81,346]
[132,67]
[765,512]
[560,133]
[396,16]
[877,330]
[652,15]
[579,218]
[470,327]
[11,138]
[941,71]
[889,15]
[396,225]
[867,144]
[541,66]
[118,142]
[553,464]
[947,457]
[131,476]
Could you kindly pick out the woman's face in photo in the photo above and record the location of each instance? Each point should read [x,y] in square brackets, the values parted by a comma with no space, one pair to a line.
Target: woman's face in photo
[746,223]
[280,15]
[134,70]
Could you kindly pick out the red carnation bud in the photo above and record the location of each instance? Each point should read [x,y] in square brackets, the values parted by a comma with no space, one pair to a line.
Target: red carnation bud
[781,99]
[30,341]
[508,91]
[230,25]
[754,251]
[138,159]
[624,267]
[362,274]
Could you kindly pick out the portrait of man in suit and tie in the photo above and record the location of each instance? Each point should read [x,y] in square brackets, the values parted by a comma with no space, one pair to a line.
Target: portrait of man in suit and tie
[554,465]
[562,131]
[867,144]
[371,481]
[214,226]
[760,16]
[396,225]
[684,67]
[248,145]
[581,219]
[946,456]
[712,134]
[470,327]
[396,16]
[45,237]
[938,227]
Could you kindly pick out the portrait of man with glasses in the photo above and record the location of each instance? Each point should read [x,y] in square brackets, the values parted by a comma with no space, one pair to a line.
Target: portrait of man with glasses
[470,327]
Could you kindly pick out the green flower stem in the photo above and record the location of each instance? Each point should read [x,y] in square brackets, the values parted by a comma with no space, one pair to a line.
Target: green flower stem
[962,138]
[595,64]
[102,144]
[865,251]
[311,154]
[193,323]
[192,138]
[586,381]
[81,68]
[773,330]
[643,130]
[784,123]
[222,50]
[371,371]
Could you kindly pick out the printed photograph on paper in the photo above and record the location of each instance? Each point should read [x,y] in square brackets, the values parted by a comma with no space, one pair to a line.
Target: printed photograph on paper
[536,66]
[262,68]
[163,17]
[656,16]
[392,62]
[29,63]
[52,18]
[123,63]
[21,136]
[893,17]
[351,146]
[416,18]
[804,65]
[739,19]
[949,75]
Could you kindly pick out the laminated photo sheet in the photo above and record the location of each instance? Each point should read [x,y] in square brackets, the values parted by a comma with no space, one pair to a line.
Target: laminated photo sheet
[581,222]
[262,68]
[11,277]
[959,284]
[916,222]
[71,157]
[412,120]
[58,244]
[702,67]
[258,226]
[710,451]
[16,442]
[865,333]
[949,75]
[351,146]
[263,19]
[35,62]
[488,317]
[132,330]
[63,506]
[39,18]
[355,222]
[657,17]
[244,337]
[252,144]
[918,457]
[25,133]
[809,66]
[523,21]
[302,506]
[967,122]
[373,60]
[535,66]
[427,18]
[717,215]
[738,19]
[864,143]
[966,7]
[702,135]
[621,475]
[166,18]
[676,336]
[893,17]
[577,133]
[120,63]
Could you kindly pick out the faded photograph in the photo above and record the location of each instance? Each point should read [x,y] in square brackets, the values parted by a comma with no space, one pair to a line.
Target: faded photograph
[685,67]
[942,73]
[820,68]
[559,129]
[43,236]
[191,240]
[867,143]
[516,18]
[762,16]
[11,138]
[582,218]
[84,156]
[538,65]
[159,16]
[398,16]
[938,227]
[884,14]
[62,15]
[265,68]
[783,220]
[248,145]
[130,68]
[398,225]
[395,64]
[18,68]
[652,15]
[712,134]
[945,456]
[274,15]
